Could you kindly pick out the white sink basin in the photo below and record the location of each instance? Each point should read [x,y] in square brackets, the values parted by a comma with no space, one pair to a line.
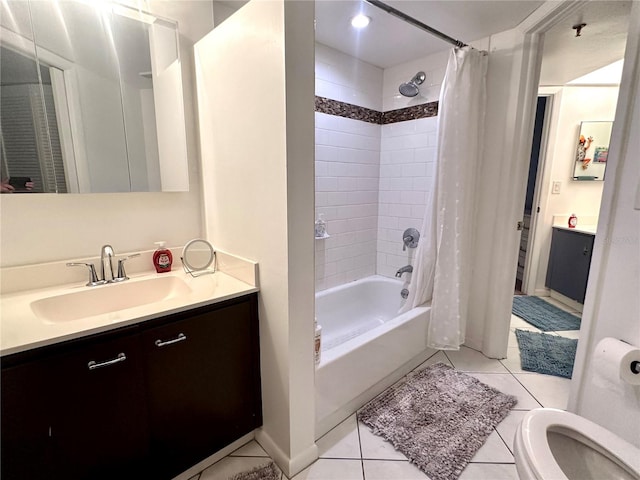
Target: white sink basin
[109,298]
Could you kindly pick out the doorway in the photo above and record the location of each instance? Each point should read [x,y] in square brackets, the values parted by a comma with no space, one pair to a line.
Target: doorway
[531,207]
[573,98]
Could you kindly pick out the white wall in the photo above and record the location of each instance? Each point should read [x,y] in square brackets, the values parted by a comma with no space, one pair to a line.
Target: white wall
[433,66]
[570,106]
[47,227]
[407,166]
[347,169]
[371,180]
[345,78]
[407,160]
[612,307]
[258,172]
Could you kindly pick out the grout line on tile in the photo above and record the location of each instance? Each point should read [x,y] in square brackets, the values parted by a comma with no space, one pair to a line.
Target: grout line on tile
[493,463]
[397,460]
[445,354]
[247,456]
[337,425]
[506,366]
[527,390]
[503,440]
[360,446]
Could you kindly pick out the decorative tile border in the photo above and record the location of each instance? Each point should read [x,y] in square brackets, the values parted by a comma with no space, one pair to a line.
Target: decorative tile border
[355,112]
[410,113]
[347,110]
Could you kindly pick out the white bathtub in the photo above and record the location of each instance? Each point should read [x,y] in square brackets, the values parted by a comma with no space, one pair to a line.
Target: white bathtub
[366,345]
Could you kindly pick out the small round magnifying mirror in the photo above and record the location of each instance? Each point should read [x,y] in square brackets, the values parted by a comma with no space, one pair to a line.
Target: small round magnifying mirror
[197,257]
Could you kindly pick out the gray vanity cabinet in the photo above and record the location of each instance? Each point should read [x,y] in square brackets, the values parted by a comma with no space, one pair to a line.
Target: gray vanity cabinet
[146,401]
[569,263]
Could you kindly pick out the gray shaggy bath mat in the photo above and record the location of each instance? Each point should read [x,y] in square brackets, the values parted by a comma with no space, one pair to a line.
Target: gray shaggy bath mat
[438,418]
[264,472]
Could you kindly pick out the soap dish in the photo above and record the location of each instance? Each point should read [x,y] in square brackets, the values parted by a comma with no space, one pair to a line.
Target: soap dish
[322,237]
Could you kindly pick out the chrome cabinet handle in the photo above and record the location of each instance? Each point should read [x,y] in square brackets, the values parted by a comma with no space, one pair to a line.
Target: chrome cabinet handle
[180,338]
[120,358]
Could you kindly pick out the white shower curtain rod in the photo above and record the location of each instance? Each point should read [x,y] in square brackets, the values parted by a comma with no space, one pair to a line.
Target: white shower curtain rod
[416,23]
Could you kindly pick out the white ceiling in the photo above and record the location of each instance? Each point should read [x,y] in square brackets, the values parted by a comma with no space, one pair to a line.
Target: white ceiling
[389,41]
[602,42]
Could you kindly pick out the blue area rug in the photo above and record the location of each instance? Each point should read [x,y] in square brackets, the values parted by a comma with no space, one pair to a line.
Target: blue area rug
[545,353]
[543,315]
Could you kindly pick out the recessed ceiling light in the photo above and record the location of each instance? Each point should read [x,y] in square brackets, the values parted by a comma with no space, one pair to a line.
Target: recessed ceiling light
[360,21]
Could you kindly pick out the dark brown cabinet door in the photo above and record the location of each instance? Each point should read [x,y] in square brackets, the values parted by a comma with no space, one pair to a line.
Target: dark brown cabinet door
[100,425]
[136,403]
[202,377]
[25,442]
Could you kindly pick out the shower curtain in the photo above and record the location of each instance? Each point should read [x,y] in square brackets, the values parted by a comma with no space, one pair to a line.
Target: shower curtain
[442,265]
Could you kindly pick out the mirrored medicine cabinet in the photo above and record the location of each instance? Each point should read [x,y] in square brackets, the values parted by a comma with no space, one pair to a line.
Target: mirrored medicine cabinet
[91,99]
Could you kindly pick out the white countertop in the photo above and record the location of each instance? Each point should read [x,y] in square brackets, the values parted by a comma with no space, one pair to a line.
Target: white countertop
[21,329]
[589,229]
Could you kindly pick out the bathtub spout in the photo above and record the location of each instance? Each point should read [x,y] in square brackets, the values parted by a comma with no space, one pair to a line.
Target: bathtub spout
[405,269]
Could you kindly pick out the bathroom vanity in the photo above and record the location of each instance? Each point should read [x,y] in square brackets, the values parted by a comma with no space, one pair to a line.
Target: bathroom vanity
[144,398]
[569,261]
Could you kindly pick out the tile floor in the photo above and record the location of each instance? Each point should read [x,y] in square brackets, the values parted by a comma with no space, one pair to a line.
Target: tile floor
[351,452]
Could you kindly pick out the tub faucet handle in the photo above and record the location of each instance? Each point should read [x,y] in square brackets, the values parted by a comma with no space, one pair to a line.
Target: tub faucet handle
[410,238]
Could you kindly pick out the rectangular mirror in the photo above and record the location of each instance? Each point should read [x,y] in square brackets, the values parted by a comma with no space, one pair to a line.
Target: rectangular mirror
[592,151]
[91,99]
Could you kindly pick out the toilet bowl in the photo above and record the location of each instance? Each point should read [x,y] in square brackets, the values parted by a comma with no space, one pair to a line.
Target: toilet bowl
[554,444]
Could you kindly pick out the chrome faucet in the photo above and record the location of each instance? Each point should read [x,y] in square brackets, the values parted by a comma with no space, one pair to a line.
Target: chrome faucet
[106,268]
[405,269]
[106,254]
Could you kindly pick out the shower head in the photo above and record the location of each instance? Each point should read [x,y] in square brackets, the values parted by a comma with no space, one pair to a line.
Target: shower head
[410,88]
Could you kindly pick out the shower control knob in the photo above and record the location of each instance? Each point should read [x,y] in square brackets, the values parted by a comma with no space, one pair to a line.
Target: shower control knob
[410,238]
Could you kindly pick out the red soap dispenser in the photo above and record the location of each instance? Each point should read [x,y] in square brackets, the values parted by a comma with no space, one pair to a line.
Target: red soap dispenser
[573,221]
[162,258]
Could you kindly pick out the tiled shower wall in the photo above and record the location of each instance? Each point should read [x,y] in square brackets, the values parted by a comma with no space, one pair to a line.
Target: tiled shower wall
[406,174]
[371,180]
[347,172]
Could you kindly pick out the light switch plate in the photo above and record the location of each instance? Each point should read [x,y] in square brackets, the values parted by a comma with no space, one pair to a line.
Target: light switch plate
[556,187]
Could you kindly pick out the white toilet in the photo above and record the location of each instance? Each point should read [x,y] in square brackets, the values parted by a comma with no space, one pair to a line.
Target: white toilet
[554,444]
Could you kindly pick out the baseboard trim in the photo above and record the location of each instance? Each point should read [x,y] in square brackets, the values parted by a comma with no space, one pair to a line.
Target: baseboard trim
[289,466]
[577,306]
